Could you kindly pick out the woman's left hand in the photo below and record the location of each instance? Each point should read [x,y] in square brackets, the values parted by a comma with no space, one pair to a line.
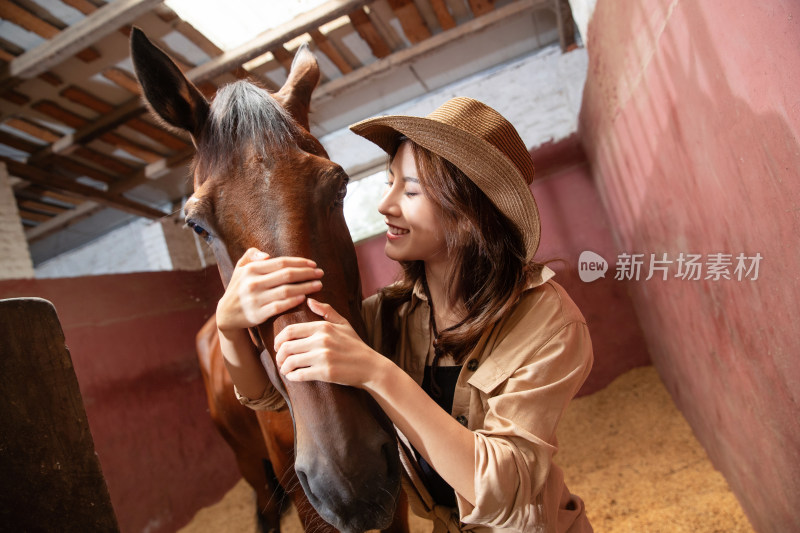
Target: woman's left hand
[328,350]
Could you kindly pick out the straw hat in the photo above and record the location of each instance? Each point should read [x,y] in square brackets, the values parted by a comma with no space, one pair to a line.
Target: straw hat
[480,142]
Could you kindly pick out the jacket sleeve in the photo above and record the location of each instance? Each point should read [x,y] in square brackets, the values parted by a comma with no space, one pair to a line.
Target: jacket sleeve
[515,445]
[270,400]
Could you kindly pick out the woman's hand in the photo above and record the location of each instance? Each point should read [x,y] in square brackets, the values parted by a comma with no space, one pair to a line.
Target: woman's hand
[328,350]
[262,287]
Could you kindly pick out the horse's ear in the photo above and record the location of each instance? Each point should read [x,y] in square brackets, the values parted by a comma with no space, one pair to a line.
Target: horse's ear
[295,95]
[173,97]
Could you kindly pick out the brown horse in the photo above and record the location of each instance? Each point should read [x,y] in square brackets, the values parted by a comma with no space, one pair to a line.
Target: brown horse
[263,444]
[263,458]
[261,180]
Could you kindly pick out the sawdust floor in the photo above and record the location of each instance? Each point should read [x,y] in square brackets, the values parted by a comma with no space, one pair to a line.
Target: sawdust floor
[626,450]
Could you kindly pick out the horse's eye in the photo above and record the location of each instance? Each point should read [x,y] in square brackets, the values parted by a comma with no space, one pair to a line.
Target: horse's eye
[341,194]
[199,230]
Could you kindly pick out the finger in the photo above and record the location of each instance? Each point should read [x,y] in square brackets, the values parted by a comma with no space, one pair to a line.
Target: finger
[295,362]
[290,351]
[288,275]
[326,311]
[281,306]
[252,254]
[301,330]
[304,374]
[282,266]
[264,296]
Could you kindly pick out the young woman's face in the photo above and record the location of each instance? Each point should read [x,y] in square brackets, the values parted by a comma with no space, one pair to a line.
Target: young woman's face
[415,232]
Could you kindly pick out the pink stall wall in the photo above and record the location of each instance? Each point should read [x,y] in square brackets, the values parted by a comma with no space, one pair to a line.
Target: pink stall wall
[690,120]
[131,338]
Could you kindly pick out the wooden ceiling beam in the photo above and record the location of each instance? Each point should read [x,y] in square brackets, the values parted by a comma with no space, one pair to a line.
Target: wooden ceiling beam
[32,128]
[55,111]
[99,159]
[566,26]
[152,171]
[74,168]
[84,6]
[27,20]
[48,179]
[120,12]
[14,97]
[33,216]
[35,205]
[366,29]
[283,56]
[40,194]
[123,79]
[74,38]
[135,149]
[268,40]
[36,24]
[74,121]
[481,7]
[327,48]
[334,87]
[18,143]
[411,20]
[446,20]
[59,222]
[85,131]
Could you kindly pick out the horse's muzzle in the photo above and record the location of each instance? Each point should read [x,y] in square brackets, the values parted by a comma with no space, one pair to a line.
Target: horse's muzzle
[354,480]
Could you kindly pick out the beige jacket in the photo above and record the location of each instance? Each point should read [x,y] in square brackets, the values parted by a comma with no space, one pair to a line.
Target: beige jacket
[511,393]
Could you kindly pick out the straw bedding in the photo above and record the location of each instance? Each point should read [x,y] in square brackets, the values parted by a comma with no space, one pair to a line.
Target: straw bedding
[626,450]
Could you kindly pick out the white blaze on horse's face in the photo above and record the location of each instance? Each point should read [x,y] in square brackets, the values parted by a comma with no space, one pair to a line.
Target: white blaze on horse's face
[262,180]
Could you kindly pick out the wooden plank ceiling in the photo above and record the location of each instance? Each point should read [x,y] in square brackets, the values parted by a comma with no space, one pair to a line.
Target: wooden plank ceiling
[75,135]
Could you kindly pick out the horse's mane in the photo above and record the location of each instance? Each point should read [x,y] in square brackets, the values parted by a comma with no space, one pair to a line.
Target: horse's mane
[244,120]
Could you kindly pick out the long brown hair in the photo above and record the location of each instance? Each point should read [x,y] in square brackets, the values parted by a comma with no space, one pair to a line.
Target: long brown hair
[489,267]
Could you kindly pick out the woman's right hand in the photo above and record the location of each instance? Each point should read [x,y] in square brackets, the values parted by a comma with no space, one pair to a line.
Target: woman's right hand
[262,287]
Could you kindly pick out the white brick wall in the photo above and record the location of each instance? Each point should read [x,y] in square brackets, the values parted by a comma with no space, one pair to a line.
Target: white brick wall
[137,247]
[15,259]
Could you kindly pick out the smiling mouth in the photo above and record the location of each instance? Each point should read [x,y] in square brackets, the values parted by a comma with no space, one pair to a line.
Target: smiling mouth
[395,231]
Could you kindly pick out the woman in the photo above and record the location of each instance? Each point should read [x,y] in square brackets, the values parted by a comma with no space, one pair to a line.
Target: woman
[483,351]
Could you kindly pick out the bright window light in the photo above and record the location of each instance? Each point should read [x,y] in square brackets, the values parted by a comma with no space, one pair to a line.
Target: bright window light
[232,23]
[361,206]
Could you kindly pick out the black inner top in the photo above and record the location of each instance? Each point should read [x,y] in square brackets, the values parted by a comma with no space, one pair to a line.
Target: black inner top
[441,390]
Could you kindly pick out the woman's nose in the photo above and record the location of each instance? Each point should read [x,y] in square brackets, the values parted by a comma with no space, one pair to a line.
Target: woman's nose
[388,204]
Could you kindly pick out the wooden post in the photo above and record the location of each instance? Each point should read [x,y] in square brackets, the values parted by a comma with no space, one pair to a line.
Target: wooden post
[52,480]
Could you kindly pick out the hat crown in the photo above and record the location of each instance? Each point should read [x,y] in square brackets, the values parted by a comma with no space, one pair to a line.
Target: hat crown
[480,120]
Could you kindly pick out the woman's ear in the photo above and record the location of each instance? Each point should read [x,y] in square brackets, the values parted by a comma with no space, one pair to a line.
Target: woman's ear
[168,92]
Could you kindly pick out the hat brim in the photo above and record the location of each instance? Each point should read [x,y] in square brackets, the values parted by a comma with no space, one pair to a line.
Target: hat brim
[484,164]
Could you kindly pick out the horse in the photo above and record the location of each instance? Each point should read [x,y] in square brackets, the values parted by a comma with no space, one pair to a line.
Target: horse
[258,454]
[262,442]
[261,180]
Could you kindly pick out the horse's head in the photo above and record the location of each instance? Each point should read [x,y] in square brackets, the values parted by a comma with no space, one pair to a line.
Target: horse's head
[262,180]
